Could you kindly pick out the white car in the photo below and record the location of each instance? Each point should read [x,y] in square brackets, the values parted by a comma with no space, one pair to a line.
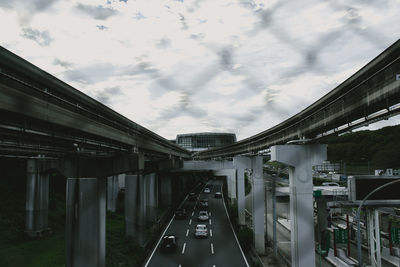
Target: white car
[207,190]
[201,231]
[203,216]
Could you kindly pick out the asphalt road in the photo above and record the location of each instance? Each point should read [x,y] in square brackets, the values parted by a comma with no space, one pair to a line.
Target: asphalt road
[219,249]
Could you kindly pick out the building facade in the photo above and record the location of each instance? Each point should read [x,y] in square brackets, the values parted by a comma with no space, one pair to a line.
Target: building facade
[203,141]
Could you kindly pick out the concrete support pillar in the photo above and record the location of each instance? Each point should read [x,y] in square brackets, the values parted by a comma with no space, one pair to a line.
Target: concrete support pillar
[135,207]
[322,220]
[258,198]
[166,191]
[112,192]
[121,180]
[152,196]
[86,222]
[301,158]
[230,175]
[37,199]
[241,163]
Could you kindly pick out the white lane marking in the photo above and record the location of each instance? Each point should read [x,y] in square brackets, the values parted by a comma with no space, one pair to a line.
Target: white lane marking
[234,234]
[190,221]
[192,213]
[210,213]
[187,232]
[183,249]
[211,232]
[213,265]
[158,243]
[212,248]
[210,221]
[180,265]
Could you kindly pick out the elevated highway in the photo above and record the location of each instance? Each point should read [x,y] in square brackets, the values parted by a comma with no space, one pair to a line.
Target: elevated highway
[370,95]
[40,114]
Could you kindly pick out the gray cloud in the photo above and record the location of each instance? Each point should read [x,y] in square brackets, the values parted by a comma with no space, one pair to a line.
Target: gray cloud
[101,27]
[183,22]
[43,38]
[91,74]
[5,4]
[164,43]
[101,72]
[31,5]
[62,63]
[97,12]
[185,106]
[107,94]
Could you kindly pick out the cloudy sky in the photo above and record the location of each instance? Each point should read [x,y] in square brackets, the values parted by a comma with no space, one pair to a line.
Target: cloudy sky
[201,65]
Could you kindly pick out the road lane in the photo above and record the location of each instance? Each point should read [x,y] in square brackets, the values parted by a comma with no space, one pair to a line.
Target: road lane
[218,249]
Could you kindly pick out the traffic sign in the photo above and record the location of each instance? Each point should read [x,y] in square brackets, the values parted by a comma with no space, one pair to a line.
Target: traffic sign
[341,236]
[395,233]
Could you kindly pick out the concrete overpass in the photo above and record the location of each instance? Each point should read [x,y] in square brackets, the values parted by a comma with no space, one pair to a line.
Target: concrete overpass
[55,126]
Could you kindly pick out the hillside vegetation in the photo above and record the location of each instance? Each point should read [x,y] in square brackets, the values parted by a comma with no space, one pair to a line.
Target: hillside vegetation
[380,148]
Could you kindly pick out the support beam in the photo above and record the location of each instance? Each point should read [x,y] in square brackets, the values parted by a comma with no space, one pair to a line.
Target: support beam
[374,237]
[241,163]
[37,199]
[258,197]
[112,192]
[152,197]
[322,220]
[301,158]
[86,222]
[230,175]
[166,190]
[135,207]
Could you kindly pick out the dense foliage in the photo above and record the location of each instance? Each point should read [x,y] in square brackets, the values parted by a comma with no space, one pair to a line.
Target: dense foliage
[380,148]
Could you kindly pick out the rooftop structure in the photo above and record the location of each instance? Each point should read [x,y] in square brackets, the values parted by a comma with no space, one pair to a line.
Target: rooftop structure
[203,141]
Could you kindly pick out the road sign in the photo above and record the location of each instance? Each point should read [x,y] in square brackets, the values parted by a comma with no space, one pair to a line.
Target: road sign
[395,233]
[341,236]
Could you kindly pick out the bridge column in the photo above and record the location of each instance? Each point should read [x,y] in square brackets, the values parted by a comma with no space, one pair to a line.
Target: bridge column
[258,206]
[37,199]
[322,220]
[135,207]
[241,163]
[166,191]
[231,184]
[112,192]
[86,222]
[301,158]
[152,196]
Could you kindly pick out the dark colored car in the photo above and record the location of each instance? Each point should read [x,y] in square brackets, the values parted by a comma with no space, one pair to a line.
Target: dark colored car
[169,243]
[180,213]
[203,203]
[218,195]
[192,197]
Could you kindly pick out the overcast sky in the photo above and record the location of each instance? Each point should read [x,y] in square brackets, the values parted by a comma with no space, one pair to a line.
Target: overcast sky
[195,65]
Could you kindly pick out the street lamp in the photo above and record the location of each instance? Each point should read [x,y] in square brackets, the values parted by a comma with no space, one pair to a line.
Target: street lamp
[358,217]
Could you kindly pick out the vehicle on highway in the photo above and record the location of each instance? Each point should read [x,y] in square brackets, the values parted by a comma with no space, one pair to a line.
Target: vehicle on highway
[203,203]
[180,213]
[203,216]
[201,231]
[218,195]
[169,243]
[192,196]
[330,184]
[207,190]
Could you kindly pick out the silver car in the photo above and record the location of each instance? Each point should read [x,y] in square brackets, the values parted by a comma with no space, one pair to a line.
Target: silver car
[203,216]
[201,231]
